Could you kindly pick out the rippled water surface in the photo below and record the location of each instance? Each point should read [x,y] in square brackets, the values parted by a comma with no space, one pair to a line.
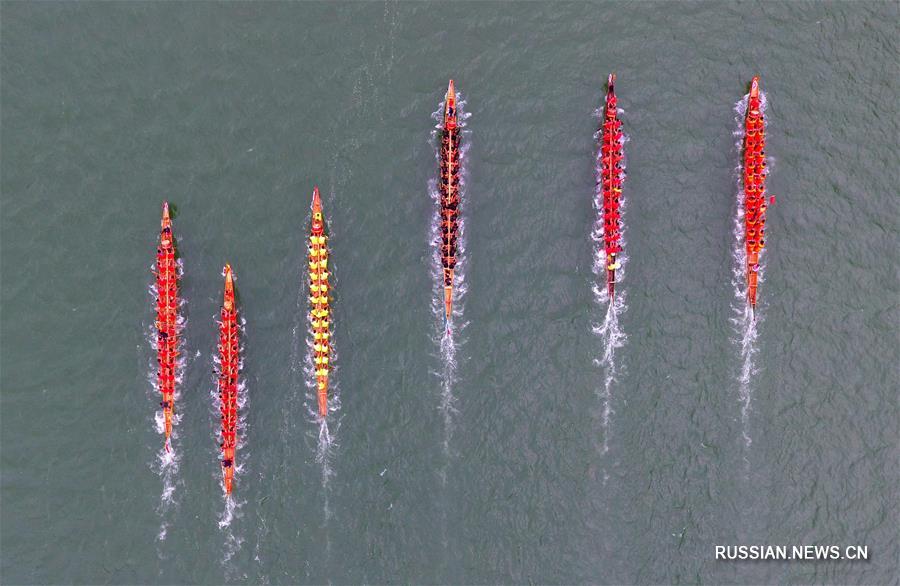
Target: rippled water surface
[547,439]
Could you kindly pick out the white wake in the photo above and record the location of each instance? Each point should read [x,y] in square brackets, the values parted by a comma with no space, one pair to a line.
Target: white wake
[447,332]
[612,336]
[743,319]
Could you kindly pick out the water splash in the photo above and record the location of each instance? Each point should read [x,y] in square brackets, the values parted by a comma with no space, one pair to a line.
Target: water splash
[233,540]
[610,332]
[743,319]
[612,337]
[447,332]
[231,511]
[167,468]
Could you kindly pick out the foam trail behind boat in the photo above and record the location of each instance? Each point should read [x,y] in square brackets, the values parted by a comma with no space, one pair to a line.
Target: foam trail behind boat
[447,332]
[612,337]
[744,320]
[232,535]
[610,332]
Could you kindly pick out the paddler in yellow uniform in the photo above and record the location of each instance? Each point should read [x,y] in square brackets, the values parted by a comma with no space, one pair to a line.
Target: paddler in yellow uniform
[612,263]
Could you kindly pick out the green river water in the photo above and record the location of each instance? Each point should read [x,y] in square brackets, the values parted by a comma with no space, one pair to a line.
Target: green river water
[543,442]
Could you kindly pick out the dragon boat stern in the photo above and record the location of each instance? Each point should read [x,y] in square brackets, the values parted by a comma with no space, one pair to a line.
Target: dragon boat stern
[448,301]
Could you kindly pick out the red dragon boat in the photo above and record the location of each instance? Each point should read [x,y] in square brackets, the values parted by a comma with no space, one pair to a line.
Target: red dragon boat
[166,320]
[229,369]
[611,178]
[319,309]
[754,189]
[449,194]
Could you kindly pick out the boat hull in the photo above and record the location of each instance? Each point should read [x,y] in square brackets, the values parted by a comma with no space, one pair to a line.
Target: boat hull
[754,187]
[610,178]
[167,305]
[229,366]
[319,302]
[449,195]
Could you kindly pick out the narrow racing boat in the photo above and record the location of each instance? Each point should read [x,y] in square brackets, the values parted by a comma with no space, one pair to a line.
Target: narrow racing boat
[611,177]
[166,320]
[319,308]
[754,188]
[229,369]
[449,193]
